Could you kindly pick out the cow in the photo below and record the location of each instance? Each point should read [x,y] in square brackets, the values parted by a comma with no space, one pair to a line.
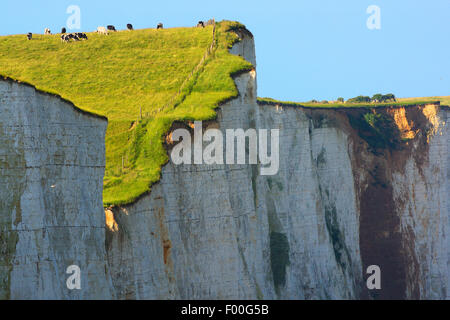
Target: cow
[73,36]
[160,26]
[65,37]
[200,24]
[81,36]
[63,30]
[102,30]
[47,31]
[130,26]
[111,28]
[29,36]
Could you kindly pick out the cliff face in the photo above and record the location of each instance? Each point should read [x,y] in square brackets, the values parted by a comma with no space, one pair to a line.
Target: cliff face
[51,213]
[347,196]
[404,206]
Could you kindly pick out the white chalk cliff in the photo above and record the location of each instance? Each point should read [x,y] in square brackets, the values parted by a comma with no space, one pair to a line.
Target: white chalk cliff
[341,201]
[51,212]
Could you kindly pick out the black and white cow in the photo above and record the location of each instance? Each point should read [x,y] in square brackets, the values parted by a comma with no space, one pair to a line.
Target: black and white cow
[200,24]
[68,37]
[160,26]
[63,30]
[29,36]
[73,36]
[130,26]
[111,28]
[81,36]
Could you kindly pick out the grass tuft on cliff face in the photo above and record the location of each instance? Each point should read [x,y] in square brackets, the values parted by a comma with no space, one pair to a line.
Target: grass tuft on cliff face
[119,75]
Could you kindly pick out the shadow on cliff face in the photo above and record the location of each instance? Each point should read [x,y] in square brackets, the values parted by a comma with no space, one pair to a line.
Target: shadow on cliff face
[279,258]
[382,145]
[279,246]
[341,253]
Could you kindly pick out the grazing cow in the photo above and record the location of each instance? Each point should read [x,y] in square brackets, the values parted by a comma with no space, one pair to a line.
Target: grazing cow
[63,30]
[160,26]
[102,30]
[130,26]
[73,36]
[200,24]
[47,31]
[29,36]
[111,28]
[81,36]
[68,37]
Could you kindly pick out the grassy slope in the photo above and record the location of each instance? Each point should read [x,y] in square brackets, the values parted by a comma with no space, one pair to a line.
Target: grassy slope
[445,100]
[400,102]
[117,75]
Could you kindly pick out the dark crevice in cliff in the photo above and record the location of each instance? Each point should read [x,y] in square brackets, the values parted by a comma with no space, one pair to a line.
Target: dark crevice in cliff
[341,252]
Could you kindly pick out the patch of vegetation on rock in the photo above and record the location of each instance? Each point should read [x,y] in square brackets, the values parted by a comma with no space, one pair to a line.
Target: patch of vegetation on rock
[377,129]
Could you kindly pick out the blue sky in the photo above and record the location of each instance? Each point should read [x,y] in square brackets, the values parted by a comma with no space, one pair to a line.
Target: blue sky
[315,49]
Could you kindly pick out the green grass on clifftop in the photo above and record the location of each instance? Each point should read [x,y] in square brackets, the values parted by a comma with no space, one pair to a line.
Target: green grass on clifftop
[118,75]
[444,100]
[405,102]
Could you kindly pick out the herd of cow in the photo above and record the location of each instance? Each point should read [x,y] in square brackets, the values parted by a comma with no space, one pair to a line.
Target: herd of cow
[78,36]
